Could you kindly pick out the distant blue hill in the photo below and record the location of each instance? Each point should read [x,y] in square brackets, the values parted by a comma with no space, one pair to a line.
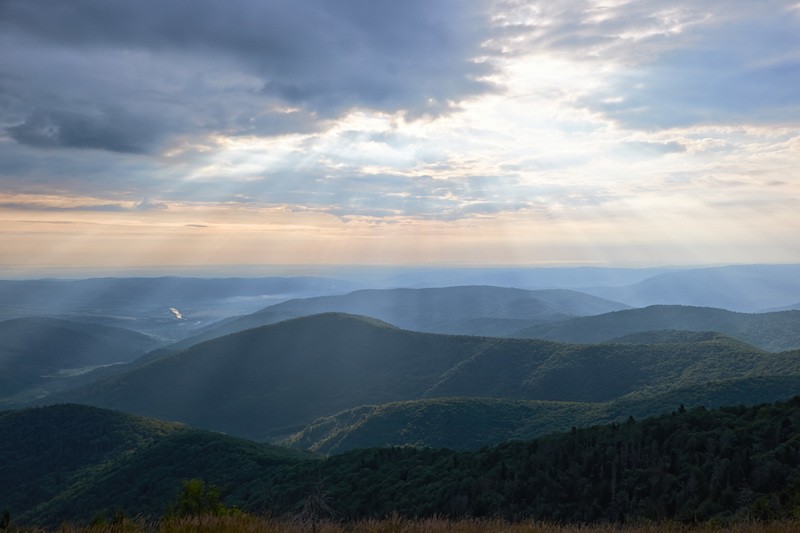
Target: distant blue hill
[737,288]
[769,331]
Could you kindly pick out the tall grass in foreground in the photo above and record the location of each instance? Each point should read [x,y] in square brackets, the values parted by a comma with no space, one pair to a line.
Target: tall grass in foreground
[252,524]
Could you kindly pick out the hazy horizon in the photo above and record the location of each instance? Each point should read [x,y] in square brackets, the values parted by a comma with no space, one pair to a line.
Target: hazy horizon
[344,271]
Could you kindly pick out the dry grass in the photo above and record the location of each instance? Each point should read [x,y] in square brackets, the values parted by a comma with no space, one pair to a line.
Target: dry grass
[253,524]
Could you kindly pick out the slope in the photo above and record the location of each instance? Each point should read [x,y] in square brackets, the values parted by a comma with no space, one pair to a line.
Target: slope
[268,380]
[271,381]
[472,423]
[769,331]
[35,353]
[453,309]
[471,310]
[688,466]
[55,457]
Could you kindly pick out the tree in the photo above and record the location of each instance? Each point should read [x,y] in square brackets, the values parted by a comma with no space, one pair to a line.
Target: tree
[197,499]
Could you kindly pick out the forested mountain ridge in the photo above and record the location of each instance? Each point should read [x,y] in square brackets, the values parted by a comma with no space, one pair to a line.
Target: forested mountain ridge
[736,463]
[272,381]
[776,331]
[471,423]
[54,458]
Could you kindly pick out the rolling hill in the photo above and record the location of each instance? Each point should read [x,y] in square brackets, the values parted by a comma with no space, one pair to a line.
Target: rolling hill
[143,304]
[75,462]
[471,423]
[55,458]
[452,309]
[468,310]
[271,381]
[36,353]
[746,288]
[768,331]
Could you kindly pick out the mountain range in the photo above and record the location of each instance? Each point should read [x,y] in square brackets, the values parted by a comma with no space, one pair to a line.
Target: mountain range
[269,382]
[770,331]
[746,288]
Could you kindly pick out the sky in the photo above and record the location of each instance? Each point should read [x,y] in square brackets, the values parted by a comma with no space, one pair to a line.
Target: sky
[375,132]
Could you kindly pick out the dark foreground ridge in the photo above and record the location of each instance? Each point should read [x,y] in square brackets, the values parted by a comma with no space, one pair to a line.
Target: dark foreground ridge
[730,464]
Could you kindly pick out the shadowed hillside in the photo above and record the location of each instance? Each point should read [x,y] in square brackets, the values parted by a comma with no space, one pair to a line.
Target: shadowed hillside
[35,353]
[453,309]
[469,310]
[55,458]
[271,381]
[768,331]
[470,423]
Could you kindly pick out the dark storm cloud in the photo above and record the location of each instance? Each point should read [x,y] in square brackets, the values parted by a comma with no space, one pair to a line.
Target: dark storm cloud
[319,56]
[114,131]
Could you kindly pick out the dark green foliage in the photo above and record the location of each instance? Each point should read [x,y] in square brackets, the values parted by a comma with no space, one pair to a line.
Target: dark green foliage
[688,465]
[197,499]
[768,331]
[270,382]
[666,336]
[82,462]
[456,423]
[684,466]
[470,423]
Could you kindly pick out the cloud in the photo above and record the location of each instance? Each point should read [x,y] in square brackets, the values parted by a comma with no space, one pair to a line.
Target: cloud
[37,206]
[715,62]
[235,68]
[386,110]
[655,148]
[112,130]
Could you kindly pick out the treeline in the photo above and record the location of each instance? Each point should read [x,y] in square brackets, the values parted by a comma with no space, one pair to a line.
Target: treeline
[687,466]
[732,464]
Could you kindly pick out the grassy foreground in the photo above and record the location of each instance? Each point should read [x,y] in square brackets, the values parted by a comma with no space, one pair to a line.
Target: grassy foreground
[253,524]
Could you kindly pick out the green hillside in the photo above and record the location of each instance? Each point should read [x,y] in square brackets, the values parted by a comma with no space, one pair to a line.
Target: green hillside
[773,332]
[470,423]
[545,370]
[270,382]
[36,353]
[48,453]
[273,380]
[455,423]
[735,463]
[58,460]
[666,336]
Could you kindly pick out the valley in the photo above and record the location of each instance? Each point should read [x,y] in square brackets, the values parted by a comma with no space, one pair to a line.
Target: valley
[463,369]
